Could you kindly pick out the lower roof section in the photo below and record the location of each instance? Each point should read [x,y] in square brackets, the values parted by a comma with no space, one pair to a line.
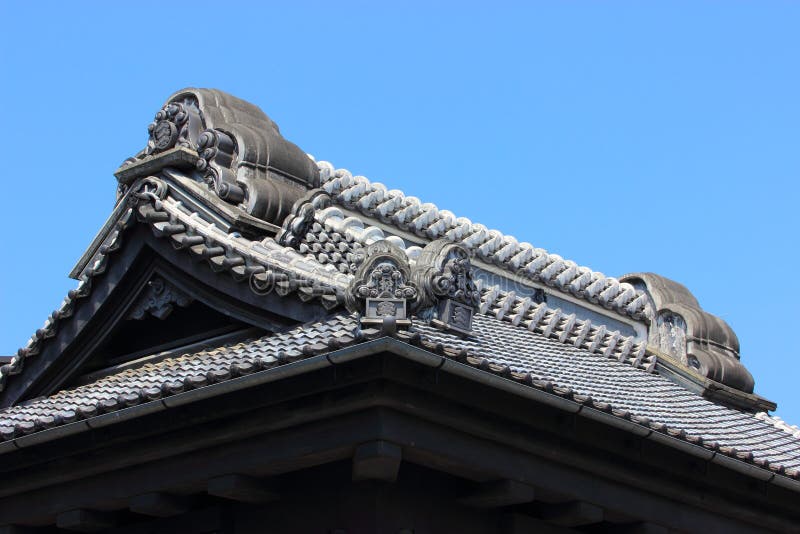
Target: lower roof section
[369,407]
[571,378]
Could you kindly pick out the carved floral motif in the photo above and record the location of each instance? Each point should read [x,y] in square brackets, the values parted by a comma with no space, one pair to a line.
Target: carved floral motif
[158,299]
[456,281]
[386,280]
[444,273]
[147,189]
[381,286]
[170,128]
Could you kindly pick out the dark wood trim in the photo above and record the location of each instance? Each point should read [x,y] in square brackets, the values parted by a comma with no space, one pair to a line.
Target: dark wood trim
[440,421]
[572,514]
[83,520]
[241,488]
[158,504]
[498,494]
[377,460]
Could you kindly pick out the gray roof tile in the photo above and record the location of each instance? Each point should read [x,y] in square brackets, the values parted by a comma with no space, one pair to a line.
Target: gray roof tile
[511,336]
[496,345]
[426,220]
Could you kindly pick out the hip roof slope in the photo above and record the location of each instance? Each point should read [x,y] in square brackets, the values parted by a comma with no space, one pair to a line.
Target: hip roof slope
[496,346]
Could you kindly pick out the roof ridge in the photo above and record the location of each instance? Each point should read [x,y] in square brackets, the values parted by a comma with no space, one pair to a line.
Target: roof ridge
[231,252]
[550,322]
[426,220]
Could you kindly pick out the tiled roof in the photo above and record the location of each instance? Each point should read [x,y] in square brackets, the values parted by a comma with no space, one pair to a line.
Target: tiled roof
[513,336]
[321,269]
[174,375]
[496,346]
[776,421]
[239,256]
[426,220]
[280,267]
[606,384]
[566,328]
[335,240]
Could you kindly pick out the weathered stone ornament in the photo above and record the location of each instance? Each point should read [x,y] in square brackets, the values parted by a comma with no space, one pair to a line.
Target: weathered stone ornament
[159,300]
[444,274]
[381,287]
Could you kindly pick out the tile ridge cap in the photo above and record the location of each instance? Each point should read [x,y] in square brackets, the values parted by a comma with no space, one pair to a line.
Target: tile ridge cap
[492,246]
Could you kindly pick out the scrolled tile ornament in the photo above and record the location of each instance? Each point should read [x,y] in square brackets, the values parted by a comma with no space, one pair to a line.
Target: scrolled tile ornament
[381,287]
[449,295]
[298,223]
[217,152]
[172,141]
[231,146]
[173,126]
[692,337]
[150,189]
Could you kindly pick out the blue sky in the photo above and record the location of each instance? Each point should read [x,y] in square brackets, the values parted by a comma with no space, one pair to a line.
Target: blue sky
[627,136]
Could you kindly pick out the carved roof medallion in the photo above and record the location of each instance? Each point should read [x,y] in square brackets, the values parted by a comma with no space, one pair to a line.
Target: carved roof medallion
[381,286]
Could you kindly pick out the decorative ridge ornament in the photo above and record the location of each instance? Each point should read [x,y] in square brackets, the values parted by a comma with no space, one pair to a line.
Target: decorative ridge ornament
[698,340]
[382,287]
[175,124]
[230,145]
[217,152]
[443,272]
[424,219]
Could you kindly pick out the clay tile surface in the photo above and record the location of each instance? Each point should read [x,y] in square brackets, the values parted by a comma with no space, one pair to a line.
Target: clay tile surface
[495,346]
[427,221]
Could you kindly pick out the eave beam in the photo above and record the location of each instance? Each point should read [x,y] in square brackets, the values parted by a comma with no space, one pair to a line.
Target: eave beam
[241,488]
[499,493]
[159,504]
[16,529]
[377,460]
[641,528]
[523,524]
[572,514]
[82,520]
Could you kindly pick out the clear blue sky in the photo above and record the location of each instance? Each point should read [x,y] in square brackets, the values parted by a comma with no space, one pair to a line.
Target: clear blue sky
[626,136]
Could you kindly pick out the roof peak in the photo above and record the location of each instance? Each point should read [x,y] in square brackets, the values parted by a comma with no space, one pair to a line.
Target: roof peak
[237,149]
[428,222]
